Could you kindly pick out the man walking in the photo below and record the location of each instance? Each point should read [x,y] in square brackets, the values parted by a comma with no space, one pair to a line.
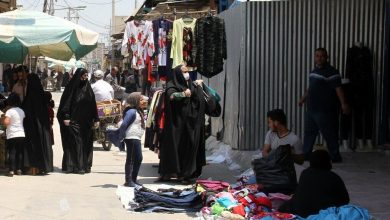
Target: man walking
[322,106]
[114,81]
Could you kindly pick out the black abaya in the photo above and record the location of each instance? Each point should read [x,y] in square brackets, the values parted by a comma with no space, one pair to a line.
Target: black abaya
[182,149]
[37,127]
[79,106]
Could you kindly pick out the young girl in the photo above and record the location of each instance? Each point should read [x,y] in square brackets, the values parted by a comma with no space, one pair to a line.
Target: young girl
[131,130]
[13,120]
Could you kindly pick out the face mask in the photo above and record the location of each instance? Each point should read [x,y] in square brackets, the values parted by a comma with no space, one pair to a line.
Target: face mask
[186,76]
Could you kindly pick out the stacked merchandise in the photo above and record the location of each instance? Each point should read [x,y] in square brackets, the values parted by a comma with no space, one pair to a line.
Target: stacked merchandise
[244,200]
[156,47]
[165,200]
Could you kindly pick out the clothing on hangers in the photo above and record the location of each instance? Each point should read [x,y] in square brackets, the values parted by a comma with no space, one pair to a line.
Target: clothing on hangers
[182,42]
[140,38]
[163,43]
[209,45]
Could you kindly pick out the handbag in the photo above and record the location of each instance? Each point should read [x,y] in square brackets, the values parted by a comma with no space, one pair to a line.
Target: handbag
[213,108]
[212,92]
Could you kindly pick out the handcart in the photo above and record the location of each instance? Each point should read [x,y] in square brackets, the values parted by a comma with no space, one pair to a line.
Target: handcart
[109,114]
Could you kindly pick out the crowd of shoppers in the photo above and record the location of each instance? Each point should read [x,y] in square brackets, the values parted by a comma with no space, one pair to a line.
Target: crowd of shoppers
[27,119]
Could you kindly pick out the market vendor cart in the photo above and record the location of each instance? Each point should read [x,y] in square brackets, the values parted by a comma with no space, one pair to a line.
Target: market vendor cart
[109,114]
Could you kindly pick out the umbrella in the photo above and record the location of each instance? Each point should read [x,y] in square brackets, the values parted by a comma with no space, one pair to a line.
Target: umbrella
[71,64]
[35,33]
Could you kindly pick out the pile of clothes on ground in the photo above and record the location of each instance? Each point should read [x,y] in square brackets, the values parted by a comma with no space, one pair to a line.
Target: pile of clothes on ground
[163,200]
[217,200]
[243,200]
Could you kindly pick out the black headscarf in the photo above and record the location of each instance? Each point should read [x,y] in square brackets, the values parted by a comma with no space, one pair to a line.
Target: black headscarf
[178,82]
[320,159]
[78,101]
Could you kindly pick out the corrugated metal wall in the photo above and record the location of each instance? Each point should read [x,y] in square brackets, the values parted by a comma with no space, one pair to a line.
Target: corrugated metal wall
[271,50]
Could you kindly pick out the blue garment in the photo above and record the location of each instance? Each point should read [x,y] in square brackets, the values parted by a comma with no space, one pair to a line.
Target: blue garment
[133,159]
[146,196]
[347,212]
[327,124]
[116,136]
[321,93]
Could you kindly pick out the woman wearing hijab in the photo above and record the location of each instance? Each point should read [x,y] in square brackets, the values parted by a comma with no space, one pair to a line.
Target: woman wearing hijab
[182,149]
[76,115]
[318,188]
[37,126]
[131,130]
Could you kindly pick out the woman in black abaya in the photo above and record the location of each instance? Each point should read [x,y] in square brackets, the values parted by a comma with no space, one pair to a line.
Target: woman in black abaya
[37,127]
[76,116]
[182,150]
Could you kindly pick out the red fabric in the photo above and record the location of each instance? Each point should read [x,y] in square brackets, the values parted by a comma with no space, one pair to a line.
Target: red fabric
[264,201]
[149,66]
[246,200]
[240,210]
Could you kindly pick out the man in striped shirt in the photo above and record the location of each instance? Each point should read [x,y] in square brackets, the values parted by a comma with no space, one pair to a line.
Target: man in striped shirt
[323,106]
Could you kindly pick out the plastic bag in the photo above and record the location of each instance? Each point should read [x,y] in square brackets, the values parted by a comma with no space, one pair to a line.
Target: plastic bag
[276,172]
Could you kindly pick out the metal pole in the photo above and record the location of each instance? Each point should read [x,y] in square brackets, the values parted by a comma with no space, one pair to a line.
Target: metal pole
[113,32]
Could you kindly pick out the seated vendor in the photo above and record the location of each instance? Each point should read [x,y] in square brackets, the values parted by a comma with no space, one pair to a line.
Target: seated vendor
[279,135]
[318,188]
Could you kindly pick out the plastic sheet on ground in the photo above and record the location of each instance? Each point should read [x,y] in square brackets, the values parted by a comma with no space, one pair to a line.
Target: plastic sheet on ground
[220,153]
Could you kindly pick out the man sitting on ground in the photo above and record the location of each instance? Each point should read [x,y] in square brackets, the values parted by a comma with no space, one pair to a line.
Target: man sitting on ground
[279,135]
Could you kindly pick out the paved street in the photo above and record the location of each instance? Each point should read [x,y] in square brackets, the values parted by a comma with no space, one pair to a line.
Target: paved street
[71,196]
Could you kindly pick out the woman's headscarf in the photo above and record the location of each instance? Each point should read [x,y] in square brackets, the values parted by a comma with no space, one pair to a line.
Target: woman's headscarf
[72,86]
[178,82]
[320,159]
[133,101]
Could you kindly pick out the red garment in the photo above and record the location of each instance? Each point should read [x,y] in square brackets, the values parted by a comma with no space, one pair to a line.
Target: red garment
[240,210]
[149,66]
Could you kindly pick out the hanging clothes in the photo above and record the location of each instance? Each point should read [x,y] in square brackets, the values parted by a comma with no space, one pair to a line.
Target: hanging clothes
[359,71]
[163,43]
[155,121]
[182,42]
[139,36]
[209,45]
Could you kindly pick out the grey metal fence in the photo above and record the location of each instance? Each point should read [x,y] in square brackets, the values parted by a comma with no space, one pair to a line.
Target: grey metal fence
[271,50]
